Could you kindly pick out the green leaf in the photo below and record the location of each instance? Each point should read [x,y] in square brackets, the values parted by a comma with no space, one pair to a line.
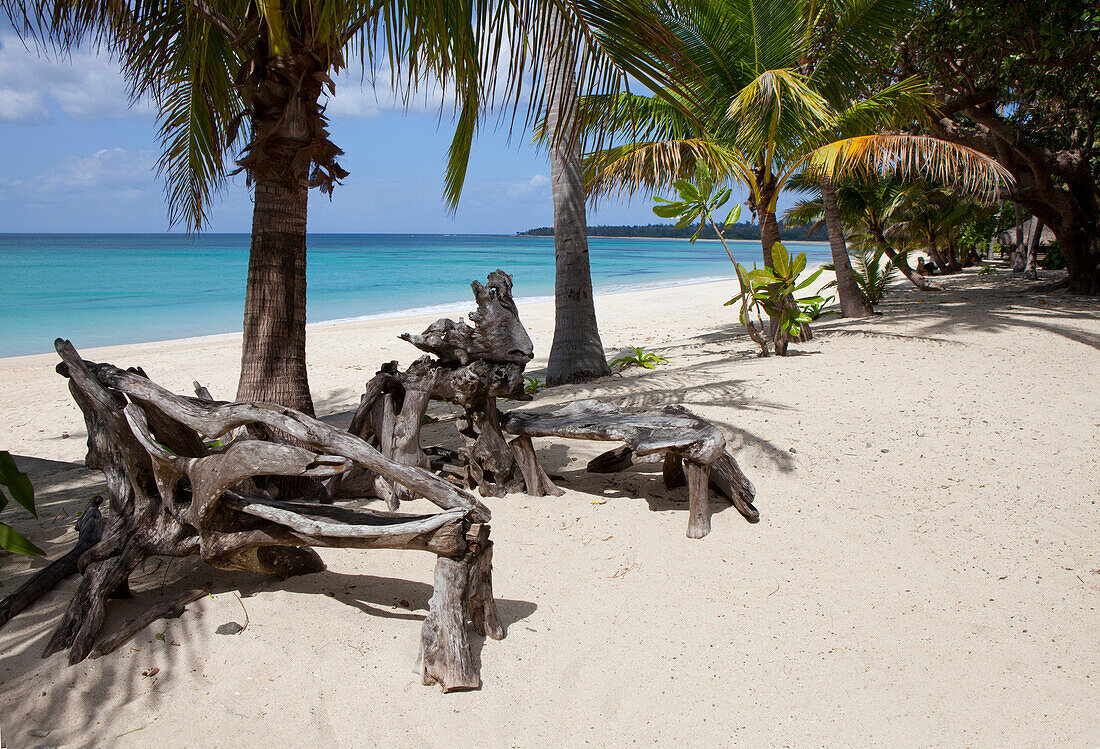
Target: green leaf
[13,541]
[798,265]
[812,300]
[809,279]
[720,199]
[670,211]
[687,218]
[687,190]
[735,300]
[19,486]
[781,260]
[734,215]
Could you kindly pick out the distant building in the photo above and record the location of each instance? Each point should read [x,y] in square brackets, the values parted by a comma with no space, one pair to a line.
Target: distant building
[1007,238]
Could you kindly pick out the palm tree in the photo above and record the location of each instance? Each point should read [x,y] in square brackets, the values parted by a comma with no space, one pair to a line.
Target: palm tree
[576,354]
[223,72]
[762,92]
[868,207]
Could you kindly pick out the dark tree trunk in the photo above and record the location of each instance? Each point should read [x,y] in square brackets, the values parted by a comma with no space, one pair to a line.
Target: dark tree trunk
[1019,253]
[1082,254]
[769,235]
[852,301]
[1030,271]
[273,356]
[937,257]
[902,264]
[576,354]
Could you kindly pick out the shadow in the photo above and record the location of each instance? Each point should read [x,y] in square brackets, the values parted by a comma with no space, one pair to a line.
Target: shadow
[987,304]
[386,597]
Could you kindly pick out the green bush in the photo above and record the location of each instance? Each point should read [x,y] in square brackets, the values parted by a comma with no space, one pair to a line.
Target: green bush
[1054,259]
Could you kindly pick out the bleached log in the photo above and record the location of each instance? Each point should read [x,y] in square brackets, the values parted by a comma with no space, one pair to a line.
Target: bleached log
[164,610]
[674,432]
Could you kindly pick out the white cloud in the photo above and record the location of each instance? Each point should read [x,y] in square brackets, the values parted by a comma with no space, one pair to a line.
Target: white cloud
[86,85]
[359,97]
[22,107]
[110,174]
[535,186]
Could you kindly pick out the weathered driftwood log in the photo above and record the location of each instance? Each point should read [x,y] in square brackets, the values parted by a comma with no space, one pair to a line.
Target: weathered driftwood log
[165,610]
[90,529]
[473,367]
[463,591]
[678,434]
[170,495]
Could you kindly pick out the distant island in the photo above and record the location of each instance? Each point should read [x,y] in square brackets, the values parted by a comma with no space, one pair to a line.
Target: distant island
[743,230]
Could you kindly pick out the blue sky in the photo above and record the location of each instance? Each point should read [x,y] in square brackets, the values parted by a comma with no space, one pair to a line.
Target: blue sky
[75,157]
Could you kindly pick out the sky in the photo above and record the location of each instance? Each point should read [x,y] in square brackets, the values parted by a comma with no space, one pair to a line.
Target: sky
[75,156]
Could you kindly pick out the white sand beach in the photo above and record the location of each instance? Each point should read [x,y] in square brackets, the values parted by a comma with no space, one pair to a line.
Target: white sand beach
[926,571]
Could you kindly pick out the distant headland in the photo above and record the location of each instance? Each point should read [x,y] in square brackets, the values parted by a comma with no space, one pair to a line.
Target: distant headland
[743,230]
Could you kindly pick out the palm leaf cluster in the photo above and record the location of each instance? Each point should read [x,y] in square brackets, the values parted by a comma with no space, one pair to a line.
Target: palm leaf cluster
[764,91]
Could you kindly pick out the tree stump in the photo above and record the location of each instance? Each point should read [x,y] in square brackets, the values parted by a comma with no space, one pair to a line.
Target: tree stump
[469,367]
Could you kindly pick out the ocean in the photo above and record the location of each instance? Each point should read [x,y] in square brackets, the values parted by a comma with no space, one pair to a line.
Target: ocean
[104,289]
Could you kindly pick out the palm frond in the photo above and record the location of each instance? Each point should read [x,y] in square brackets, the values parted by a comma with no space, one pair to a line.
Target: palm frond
[911,156]
[656,165]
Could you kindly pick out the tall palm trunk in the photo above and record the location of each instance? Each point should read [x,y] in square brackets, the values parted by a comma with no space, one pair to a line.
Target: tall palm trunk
[273,357]
[577,352]
[852,301]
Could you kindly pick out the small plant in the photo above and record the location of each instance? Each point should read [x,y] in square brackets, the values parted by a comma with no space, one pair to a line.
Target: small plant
[873,276]
[774,290]
[697,201]
[20,489]
[817,309]
[639,357]
[532,385]
[987,270]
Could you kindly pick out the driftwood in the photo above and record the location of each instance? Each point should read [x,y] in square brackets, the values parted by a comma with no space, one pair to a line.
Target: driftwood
[164,610]
[90,530]
[171,495]
[469,367]
[674,432]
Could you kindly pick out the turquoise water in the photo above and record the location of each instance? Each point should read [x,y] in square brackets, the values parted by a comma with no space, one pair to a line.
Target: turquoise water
[102,289]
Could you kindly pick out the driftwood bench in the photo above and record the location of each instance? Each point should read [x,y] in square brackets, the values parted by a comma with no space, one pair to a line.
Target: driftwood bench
[250,502]
[675,433]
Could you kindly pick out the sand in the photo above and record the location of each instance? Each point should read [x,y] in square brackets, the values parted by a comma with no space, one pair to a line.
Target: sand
[926,571]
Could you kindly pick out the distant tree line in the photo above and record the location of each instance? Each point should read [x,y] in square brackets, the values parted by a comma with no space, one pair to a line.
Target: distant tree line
[742,230]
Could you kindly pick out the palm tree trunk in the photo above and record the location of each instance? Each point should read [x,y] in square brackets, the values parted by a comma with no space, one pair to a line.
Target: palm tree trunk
[902,264]
[273,356]
[576,354]
[852,301]
[1030,271]
[937,258]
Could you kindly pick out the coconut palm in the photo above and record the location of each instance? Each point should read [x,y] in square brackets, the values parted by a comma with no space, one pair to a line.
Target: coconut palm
[869,208]
[766,90]
[250,74]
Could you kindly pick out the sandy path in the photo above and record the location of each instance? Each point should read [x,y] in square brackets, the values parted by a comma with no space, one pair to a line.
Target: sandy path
[926,571]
